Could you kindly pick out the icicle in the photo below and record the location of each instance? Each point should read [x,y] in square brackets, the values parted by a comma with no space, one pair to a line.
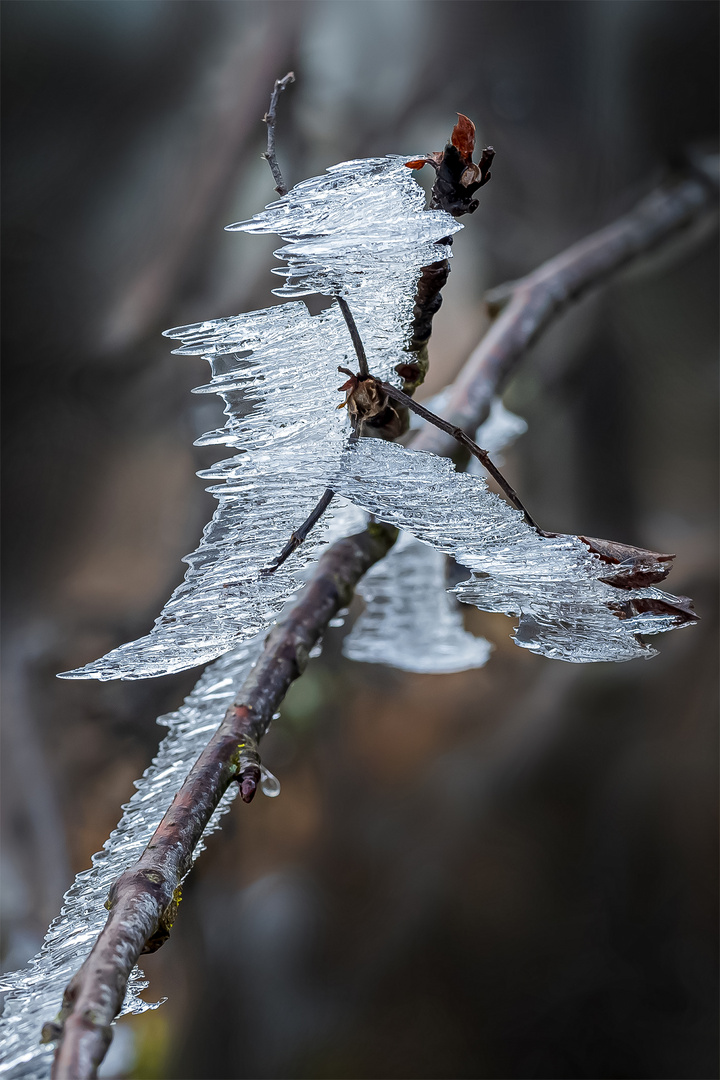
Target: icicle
[410,621]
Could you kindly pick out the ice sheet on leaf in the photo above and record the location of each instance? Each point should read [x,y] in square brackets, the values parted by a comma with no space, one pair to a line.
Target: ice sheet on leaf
[410,620]
[553,584]
[34,995]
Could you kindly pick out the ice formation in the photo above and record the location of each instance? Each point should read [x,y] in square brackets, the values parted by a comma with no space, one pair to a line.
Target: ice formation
[361,231]
[553,583]
[34,995]
[410,620]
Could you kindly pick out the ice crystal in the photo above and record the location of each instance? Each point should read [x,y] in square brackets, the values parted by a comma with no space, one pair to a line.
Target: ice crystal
[362,231]
[553,583]
[34,995]
[410,621]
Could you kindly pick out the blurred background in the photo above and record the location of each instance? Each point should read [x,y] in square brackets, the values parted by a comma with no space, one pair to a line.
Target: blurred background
[504,873]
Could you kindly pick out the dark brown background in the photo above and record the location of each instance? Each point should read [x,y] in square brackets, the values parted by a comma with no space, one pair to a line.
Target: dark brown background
[503,873]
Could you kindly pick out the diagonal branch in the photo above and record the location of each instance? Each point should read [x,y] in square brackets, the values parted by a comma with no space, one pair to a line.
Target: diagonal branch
[143,897]
[527,307]
[143,900]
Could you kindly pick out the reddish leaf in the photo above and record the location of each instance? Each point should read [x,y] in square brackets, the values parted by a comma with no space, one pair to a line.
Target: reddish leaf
[430,159]
[463,137]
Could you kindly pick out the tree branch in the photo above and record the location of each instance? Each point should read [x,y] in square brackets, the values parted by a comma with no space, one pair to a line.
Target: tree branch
[143,898]
[464,439]
[528,306]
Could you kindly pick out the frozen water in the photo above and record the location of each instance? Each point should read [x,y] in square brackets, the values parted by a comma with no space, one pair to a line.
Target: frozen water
[362,231]
[35,993]
[553,584]
[410,620]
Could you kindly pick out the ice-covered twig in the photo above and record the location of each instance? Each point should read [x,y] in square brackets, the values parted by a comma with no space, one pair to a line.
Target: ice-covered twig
[143,899]
[465,440]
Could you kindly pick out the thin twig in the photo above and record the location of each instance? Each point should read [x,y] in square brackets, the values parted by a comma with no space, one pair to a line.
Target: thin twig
[462,437]
[355,335]
[269,119]
[96,991]
[300,534]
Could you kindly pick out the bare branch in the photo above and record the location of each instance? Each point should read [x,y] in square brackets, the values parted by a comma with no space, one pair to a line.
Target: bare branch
[143,897]
[531,304]
[355,335]
[300,534]
[269,118]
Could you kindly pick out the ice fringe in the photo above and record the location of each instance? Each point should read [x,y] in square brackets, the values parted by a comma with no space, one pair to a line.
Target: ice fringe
[361,231]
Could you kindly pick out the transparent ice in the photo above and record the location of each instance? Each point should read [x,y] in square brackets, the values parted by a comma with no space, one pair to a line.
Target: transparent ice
[34,995]
[410,620]
[552,584]
[361,231]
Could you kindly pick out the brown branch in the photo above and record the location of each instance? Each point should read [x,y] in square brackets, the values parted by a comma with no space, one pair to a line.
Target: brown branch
[355,335]
[143,898]
[270,118]
[530,305]
[301,533]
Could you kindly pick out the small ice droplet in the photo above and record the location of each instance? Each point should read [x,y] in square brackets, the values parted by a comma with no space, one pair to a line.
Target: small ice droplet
[269,784]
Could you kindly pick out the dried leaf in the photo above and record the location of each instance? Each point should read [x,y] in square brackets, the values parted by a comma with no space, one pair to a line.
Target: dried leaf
[463,137]
[636,567]
[680,608]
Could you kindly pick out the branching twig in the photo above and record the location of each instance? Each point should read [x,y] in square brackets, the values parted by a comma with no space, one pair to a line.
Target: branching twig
[301,533]
[269,119]
[143,896]
[355,335]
